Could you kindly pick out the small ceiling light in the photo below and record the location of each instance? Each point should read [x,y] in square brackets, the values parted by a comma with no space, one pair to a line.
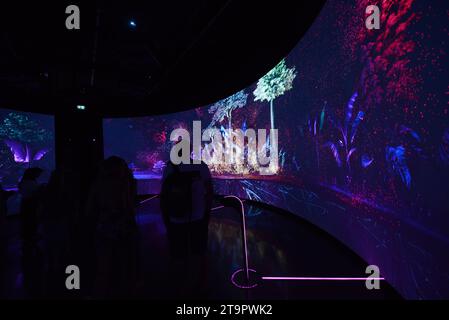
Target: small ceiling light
[81,107]
[132,23]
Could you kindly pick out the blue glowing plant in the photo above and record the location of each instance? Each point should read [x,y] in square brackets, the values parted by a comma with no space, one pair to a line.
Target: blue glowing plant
[396,160]
[366,160]
[21,128]
[315,132]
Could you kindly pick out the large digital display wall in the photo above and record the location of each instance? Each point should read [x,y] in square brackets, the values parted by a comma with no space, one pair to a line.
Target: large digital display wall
[363,137]
[26,140]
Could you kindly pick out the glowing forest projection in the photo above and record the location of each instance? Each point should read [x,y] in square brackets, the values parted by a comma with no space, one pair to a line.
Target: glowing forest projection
[26,140]
[361,114]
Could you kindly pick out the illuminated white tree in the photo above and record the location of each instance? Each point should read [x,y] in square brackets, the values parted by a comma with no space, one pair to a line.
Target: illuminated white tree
[274,84]
[223,108]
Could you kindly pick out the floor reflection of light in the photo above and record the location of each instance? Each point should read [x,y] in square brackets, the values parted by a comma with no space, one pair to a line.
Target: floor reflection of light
[241,286]
[321,278]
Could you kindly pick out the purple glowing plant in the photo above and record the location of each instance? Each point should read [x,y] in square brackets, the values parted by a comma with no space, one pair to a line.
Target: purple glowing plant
[344,148]
[23,153]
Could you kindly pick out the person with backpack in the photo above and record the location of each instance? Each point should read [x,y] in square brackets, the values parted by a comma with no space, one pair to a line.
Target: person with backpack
[186,201]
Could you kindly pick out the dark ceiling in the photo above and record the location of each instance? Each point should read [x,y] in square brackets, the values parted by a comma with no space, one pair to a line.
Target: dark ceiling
[180,54]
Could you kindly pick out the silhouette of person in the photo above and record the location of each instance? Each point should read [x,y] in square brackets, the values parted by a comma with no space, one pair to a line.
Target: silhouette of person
[54,223]
[186,218]
[3,212]
[3,202]
[110,205]
[4,195]
[30,191]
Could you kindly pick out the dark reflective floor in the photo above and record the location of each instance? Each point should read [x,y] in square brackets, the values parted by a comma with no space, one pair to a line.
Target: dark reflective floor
[278,245]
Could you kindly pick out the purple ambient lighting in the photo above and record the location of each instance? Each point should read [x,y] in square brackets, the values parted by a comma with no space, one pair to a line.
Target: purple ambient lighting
[245,247]
[151,198]
[320,278]
[234,282]
[221,207]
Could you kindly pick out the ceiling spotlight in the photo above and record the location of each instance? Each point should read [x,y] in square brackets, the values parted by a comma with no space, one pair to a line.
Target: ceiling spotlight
[81,107]
[132,23]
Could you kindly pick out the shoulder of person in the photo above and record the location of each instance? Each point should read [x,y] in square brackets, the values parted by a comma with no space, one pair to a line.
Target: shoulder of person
[204,167]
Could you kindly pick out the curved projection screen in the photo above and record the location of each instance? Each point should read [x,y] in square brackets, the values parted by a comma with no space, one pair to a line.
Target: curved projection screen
[363,138]
[26,140]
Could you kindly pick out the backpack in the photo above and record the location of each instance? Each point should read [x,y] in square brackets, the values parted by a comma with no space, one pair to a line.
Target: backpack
[177,194]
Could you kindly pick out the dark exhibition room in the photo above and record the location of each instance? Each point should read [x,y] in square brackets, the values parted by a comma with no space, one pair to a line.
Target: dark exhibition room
[208,151]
